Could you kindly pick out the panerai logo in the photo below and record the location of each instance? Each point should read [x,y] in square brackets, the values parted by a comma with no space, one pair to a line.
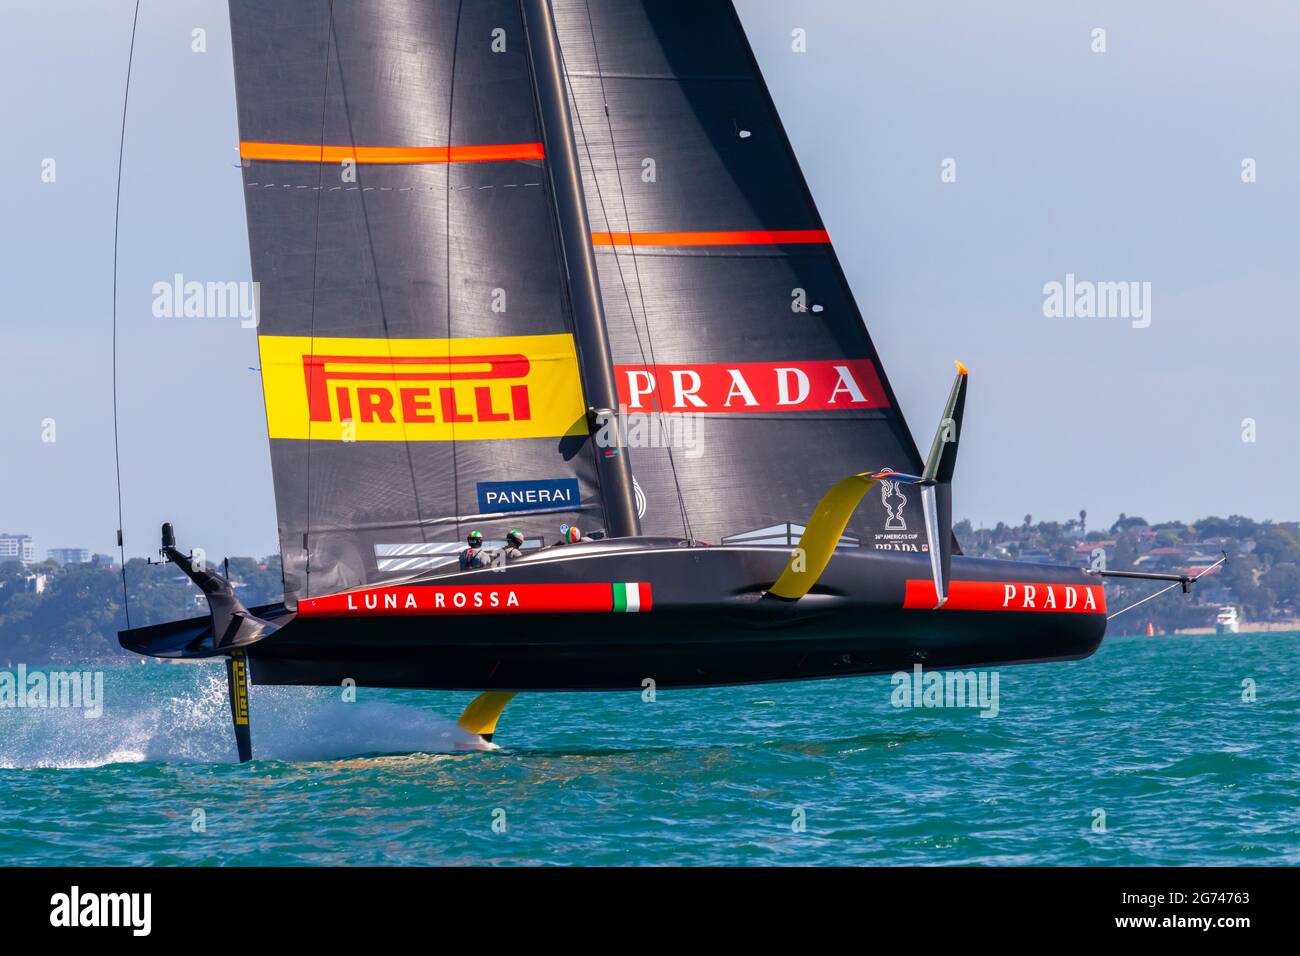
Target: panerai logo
[103,909]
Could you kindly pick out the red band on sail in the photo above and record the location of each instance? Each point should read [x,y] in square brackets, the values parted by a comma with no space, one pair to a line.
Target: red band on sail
[1009,596]
[740,387]
[766,237]
[314,153]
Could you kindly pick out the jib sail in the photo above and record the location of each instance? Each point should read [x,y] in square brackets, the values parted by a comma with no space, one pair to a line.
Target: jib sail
[728,312]
[417,351]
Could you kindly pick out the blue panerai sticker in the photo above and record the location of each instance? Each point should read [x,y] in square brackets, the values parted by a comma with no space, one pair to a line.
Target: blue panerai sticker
[545,495]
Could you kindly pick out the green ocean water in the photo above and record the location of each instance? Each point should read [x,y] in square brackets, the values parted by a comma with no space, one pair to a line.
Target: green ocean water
[1152,732]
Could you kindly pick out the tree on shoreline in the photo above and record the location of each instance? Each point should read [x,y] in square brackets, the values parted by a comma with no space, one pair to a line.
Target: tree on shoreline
[79,613]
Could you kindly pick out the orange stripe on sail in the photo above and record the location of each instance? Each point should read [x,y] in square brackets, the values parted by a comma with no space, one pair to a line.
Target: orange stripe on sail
[765,237]
[313,153]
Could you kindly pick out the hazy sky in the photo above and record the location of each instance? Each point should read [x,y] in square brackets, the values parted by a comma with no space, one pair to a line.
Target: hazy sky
[1117,166]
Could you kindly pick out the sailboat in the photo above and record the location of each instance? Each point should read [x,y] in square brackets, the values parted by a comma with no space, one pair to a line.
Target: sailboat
[548,265]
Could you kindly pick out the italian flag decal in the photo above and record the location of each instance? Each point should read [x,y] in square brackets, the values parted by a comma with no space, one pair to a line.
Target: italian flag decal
[631,597]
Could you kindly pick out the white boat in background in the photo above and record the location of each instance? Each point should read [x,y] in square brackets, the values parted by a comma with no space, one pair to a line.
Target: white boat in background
[1227,621]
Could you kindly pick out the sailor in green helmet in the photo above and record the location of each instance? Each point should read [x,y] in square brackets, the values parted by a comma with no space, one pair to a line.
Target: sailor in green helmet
[514,546]
[474,556]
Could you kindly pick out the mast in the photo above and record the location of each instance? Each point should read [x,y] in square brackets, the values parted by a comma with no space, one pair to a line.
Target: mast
[594,355]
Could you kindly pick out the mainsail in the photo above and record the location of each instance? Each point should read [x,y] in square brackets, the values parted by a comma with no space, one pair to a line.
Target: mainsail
[422,354]
[418,357]
[726,305]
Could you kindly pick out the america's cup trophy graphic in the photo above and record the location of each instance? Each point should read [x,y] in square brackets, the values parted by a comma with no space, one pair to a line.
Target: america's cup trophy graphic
[891,492]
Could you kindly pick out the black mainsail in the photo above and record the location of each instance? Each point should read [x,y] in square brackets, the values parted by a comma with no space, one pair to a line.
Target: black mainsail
[727,306]
[418,356]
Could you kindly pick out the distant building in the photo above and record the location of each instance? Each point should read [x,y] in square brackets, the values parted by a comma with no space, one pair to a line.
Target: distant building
[69,555]
[17,547]
[1167,559]
[1083,550]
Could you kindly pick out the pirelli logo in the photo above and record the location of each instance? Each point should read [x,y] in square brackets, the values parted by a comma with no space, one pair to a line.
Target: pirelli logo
[333,389]
[239,684]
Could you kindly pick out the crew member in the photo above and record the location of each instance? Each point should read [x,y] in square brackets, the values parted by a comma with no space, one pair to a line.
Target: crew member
[474,556]
[514,546]
[569,534]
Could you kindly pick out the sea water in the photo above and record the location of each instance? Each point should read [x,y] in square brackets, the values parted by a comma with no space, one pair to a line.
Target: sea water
[1171,750]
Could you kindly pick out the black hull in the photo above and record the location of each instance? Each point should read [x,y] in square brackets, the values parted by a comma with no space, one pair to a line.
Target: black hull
[710,624]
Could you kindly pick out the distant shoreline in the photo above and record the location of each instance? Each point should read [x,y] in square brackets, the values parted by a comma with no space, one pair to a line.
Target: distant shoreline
[1247,627]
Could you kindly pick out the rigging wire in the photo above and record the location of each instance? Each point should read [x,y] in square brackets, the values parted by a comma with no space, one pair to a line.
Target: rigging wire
[672,463]
[117,221]
[455,459]
[1151,597]
[315,253]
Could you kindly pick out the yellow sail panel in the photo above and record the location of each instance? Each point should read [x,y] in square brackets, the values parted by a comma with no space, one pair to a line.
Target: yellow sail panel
[345,389]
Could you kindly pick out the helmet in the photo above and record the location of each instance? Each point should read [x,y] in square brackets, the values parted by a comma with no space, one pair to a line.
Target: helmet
[572,534]
[475,539]
[515,538]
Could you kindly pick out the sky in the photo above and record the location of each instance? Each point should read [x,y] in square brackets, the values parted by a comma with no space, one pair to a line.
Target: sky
[1117,166]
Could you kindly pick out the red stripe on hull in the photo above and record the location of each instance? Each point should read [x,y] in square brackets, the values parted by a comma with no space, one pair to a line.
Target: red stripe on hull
[1009,596]
[594,598]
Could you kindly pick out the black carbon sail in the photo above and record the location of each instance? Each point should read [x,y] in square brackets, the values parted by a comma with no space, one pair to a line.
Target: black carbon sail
[418,357]
[726,305]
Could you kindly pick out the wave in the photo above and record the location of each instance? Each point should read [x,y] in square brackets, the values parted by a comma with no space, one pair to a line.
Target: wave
[291,724]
